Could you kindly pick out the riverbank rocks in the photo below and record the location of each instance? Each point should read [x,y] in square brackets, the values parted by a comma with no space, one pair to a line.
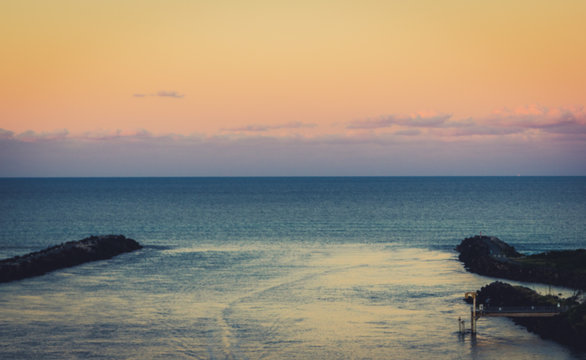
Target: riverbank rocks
[65,255]
[488,255]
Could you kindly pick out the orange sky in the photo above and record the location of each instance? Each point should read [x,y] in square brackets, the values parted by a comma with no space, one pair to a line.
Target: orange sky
[377,73]
[76,65]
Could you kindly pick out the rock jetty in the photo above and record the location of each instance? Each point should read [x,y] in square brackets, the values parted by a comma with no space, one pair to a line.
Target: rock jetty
[65,255]
[488,255]
[568,328]
[502,294]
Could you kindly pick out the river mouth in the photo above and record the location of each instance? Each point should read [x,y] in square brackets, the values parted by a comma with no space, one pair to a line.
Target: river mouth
[233,301]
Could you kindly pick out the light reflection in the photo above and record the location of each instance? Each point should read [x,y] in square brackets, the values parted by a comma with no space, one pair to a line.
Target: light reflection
[263,301]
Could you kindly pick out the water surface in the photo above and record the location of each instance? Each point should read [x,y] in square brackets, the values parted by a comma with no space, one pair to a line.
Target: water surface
[273,268]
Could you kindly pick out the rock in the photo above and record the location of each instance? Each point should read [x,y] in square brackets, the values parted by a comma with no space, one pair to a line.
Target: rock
[485,246]
[65,255]
[488,255]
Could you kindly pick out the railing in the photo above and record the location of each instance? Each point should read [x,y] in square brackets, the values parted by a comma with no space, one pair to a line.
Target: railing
[506,311]
[520,309]
[509,311]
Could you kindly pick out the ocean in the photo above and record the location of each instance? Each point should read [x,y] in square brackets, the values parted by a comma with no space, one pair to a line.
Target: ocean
[275,268]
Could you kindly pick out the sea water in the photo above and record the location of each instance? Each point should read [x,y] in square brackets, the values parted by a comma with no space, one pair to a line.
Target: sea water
[275,268]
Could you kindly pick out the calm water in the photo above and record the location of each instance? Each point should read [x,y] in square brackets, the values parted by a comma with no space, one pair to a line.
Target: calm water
[253,268]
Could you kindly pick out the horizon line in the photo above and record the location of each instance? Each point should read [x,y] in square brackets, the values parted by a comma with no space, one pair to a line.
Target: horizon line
[278,176]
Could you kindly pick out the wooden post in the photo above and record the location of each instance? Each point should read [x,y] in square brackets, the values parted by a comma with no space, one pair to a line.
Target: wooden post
[472,294]
[473,317]
[461,325]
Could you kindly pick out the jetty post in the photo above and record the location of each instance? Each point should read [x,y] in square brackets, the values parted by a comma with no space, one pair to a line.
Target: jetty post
[461,326]
[467,295]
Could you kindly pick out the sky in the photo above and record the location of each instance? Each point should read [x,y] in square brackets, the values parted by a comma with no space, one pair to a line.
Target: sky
[292,88]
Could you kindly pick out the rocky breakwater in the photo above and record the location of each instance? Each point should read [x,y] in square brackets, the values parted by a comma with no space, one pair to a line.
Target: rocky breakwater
[487,255]
[568,327]
[65,255]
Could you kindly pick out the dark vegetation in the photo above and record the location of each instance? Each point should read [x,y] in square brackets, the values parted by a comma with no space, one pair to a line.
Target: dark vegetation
[502,294]
[65,255]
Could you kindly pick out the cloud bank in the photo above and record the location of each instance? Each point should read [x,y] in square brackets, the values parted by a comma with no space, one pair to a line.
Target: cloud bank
[527,141]
[529,121]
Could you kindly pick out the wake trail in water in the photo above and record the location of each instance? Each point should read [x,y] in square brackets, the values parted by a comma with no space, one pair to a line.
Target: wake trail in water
[230,339]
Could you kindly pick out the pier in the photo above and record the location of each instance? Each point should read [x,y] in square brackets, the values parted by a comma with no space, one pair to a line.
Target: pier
[505,311]
[518,311]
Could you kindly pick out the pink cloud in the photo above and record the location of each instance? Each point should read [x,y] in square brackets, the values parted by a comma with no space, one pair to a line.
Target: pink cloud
[6,135]
[173,94]
[162,93]
[539,117]
[409,132]
[539,123]
[519,139]
[411,151]
[114,134]
[334,155]
[263,128]
[527,110]
[423,120]
[32,136]
[528,120]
